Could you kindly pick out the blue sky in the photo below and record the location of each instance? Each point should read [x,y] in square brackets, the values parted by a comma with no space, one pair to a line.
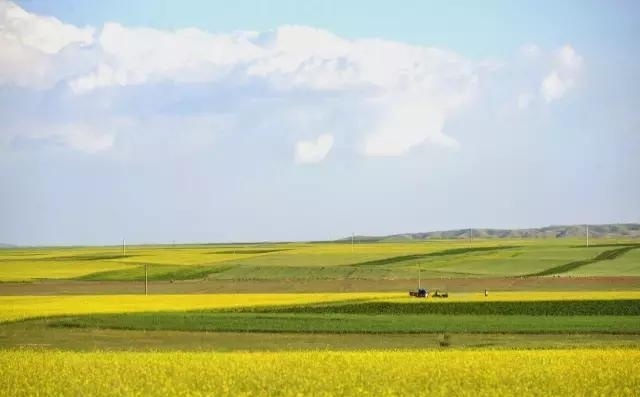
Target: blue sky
[281,120]
[489,28]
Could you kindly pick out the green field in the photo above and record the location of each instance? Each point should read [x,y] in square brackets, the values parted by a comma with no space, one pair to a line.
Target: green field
[613,316]
[354,323]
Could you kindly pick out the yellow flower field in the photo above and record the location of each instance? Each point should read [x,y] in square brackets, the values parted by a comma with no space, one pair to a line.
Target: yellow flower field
[22,307]
[614,372]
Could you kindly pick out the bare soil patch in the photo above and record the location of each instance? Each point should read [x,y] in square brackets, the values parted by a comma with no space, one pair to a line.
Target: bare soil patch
[72,287]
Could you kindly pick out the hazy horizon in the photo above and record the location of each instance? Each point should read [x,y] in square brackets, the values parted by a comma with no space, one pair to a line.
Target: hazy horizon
[287,121]
[328,240]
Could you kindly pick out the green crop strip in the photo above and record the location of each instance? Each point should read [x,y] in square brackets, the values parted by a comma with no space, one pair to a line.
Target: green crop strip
[156,273]
[246,252]
[622,307]
[453,251]
[603,256]
[350,323]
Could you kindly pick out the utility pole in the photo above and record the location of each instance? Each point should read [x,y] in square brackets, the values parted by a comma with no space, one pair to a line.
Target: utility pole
[146,280]
[353,236]
[587,235]
[124,247]
[418,277]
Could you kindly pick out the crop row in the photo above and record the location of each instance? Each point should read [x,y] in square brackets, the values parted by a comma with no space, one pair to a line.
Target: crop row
[342,323]
[622,307]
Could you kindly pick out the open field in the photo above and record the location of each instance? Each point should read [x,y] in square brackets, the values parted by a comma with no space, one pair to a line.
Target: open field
[374,373]
[568,312]
[304,261]
[531,313]
[453,285]
[22,307]
[260,319]
[37,334]
[354,323]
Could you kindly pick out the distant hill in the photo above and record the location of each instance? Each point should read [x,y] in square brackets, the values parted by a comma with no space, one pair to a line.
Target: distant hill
[628,230]
[7,245]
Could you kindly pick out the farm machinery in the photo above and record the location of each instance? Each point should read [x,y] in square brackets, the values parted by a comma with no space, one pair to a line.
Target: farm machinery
[423,293]
[419,293]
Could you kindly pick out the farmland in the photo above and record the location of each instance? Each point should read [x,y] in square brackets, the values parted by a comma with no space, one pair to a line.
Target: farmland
[375,373]
[322,261]
[284,317]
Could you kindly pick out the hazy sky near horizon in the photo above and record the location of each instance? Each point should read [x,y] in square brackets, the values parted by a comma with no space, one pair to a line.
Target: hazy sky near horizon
[195,121]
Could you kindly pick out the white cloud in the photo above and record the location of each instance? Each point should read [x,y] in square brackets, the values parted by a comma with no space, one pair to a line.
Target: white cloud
[45,34]
[567,65]
[399,96]
[568,58]
[410,90]
[406,125]
[313,151]
[553,87]
[32,47]
[136,56]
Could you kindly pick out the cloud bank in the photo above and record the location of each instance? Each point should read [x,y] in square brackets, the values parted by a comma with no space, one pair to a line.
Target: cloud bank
[385,98]
[314,151]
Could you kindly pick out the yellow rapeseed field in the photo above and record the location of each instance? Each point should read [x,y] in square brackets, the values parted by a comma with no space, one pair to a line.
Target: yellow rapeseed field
[22,307]
[25,271]
[614,372]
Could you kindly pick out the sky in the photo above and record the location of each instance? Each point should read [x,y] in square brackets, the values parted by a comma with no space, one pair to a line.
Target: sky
[197,121]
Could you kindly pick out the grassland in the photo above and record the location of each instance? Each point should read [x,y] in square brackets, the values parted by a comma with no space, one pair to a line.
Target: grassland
[364,373]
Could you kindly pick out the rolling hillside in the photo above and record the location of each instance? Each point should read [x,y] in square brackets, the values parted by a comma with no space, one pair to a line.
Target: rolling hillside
[618,230]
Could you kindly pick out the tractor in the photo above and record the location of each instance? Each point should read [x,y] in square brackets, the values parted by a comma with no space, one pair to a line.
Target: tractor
[419,293]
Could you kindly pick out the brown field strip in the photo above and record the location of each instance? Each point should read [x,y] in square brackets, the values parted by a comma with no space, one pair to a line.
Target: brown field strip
[71,287]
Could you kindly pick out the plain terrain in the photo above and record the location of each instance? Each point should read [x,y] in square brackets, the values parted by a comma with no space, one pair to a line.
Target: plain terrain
[584,312]
[444,259]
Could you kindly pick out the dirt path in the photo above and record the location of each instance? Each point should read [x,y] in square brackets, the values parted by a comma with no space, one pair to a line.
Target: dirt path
[64,287]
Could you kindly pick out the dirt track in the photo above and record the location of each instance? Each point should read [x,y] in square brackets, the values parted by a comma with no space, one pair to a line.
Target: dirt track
[258,286]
